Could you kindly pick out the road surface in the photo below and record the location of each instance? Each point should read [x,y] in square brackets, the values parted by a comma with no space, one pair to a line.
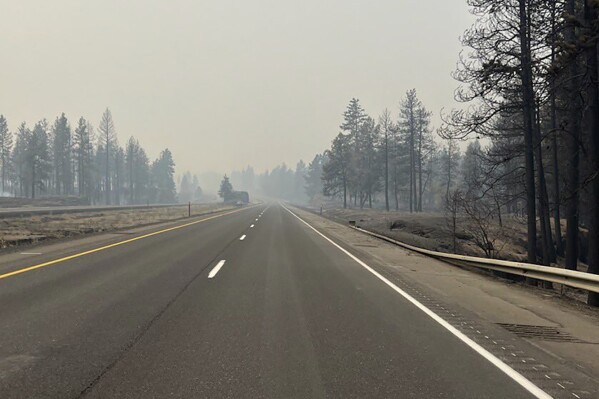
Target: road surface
[248,304]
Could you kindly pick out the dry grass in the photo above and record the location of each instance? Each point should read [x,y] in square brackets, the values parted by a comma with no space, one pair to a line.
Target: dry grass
[26,230]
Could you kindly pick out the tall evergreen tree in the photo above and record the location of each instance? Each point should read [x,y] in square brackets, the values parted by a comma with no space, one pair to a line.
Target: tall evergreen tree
[107,139]
[335,171]
[226,188]
[313,177]
[20,160]
[6,143]
[409,109]
[62,146]
[386,124]
[163,171]
[186,189]
[38,157]
[83,152]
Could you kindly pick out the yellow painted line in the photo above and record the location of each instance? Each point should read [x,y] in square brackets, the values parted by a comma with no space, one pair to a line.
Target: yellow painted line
[116,244]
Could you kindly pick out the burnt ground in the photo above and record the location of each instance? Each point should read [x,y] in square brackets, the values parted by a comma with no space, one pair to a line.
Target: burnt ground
[431,231]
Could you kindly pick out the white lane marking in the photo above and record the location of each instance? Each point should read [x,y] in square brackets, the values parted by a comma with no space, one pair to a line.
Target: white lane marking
[510,372]
[256,219]
[251,226]
[216,269]
[31,253]
[242,238]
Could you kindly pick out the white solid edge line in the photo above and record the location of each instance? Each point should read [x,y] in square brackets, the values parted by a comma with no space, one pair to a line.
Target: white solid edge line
[242,238]
[216,269]
[510,372]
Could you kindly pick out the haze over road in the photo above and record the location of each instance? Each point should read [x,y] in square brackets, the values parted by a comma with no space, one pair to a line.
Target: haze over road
[253,303]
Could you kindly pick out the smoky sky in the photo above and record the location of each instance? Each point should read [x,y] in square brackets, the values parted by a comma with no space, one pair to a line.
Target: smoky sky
[225,84]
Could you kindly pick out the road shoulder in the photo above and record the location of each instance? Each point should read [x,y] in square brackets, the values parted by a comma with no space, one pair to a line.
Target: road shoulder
[537,325]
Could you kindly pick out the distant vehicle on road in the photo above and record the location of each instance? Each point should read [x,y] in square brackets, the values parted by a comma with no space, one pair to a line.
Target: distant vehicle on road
[238,198]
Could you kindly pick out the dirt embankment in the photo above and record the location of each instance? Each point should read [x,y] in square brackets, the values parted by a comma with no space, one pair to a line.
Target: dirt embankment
[32,229]
[433,231]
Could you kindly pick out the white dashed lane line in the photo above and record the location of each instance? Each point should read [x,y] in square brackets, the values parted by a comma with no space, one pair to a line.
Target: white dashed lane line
[216,268]
[242,238]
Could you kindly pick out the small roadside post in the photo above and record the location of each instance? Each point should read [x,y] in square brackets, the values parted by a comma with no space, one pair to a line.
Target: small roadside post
[189,209]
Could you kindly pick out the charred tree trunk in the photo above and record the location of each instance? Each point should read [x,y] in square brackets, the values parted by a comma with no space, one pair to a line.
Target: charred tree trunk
[395,188]
[528,119]
[573,156]
[548,250]
[553,109]
[591,15]
[344,193]
[386,169]
[420,190]
[411,170]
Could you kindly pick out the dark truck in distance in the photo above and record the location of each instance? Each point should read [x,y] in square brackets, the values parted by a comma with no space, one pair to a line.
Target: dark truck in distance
[238,198]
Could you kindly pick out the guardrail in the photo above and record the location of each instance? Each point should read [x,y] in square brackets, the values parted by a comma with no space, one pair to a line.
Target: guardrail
[571,278]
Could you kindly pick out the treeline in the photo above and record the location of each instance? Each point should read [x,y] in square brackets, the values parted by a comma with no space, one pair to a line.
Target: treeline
[61,160]
[393,161]
[298,185]
[395,157]
[189,189]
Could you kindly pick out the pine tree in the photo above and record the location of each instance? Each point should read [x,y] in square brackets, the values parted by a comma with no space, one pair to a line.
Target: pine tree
[163,171]
[353,118]
[299,178]
[83,151]
[119,171]
[386,124]
[409,109]
[313,178]
[20,160]
[197,190]
[38,157]
[62,146]
[107,139]
[6,143]
[335,170]
[226,189]
[186,189]
[136,172]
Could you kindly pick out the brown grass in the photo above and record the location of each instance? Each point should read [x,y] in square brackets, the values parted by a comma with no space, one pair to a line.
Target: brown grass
[27,230]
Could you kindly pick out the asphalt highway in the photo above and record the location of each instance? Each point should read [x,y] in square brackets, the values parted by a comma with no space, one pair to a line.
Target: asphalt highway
[249,304]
